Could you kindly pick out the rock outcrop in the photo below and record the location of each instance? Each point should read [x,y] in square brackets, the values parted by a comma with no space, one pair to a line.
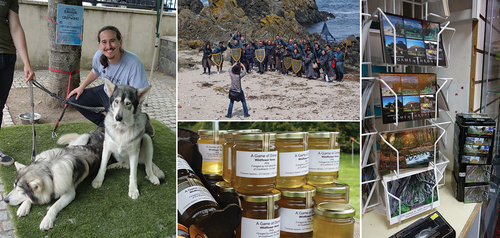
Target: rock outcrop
[194,5]
[306,11]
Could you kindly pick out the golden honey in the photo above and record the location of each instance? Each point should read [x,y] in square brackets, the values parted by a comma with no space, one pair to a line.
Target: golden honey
[296,212]
[226,152]
[210,146]
[293,159]
[324,157]
[260,215]
[333,220]
[335,192]
[254,163]
[194,201]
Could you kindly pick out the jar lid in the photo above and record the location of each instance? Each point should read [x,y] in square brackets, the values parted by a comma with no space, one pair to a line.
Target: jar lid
[333,188]
[275,195]
[210,133]
[229,133]
[224,187]
[301,192]
[320,134]
[213,177]
[291,135]
[253,136]
[335,210]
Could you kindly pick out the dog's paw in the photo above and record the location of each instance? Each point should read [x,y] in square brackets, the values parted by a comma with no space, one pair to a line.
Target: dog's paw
[133,193]
[96,183]
[23,210]
[154,180]
[47,223]
[118,166]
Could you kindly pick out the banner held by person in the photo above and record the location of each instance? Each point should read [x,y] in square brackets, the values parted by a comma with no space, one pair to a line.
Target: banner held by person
[260,54]
[296,65]
[217,58]
[236,54]
[288,62]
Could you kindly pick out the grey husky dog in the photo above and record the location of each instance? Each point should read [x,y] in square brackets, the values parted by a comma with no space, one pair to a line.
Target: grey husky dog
[125,137]
[55,174]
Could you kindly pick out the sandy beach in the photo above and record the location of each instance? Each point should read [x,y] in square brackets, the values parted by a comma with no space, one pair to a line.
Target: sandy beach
[270,96]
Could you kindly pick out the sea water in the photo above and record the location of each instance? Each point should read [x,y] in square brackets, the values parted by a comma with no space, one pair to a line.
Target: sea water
[346,20]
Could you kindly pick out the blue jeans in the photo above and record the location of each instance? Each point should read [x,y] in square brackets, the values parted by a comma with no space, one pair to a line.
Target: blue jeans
[245,109]
[7,63]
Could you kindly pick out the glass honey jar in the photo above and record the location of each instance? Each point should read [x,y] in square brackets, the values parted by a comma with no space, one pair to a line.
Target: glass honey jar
[296,212]
[223,188]
[254,163]
[335,192]
[324,157]
[293,159]
[213,179]
[226,152]
[210,146]
[260,215]
[194,201]
[333,220]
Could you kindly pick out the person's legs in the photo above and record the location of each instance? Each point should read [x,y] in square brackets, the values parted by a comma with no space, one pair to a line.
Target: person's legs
[7,63]
[245,109]
[230,109]
[92,97]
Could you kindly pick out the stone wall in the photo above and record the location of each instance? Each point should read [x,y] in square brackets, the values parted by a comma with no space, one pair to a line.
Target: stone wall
[168,56]
[137,27]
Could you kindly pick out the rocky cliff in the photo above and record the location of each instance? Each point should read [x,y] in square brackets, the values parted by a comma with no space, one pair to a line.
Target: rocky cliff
[194,5]
[306,11]
[222,17]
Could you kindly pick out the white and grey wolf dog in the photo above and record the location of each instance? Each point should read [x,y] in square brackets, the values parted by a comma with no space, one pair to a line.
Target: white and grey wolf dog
[55,174]
[125,137]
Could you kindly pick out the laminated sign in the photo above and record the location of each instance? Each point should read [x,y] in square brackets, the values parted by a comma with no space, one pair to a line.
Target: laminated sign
[69,25]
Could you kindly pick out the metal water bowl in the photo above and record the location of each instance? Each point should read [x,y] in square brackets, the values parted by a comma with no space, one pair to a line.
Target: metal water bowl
[25,117]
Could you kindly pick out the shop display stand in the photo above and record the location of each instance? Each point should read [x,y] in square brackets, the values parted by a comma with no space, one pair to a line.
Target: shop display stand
[370,153]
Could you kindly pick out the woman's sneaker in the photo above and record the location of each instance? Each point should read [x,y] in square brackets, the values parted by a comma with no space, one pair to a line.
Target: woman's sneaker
[6,160]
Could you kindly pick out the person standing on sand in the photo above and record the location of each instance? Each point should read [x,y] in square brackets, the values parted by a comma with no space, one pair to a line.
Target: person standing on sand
[206,60]
[236,72]
[220,49]
[339,64]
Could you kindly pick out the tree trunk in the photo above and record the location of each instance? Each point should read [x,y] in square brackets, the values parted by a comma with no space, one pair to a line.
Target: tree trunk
[61,57]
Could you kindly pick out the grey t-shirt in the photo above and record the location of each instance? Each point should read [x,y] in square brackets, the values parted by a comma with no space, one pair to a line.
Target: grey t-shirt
[129,70]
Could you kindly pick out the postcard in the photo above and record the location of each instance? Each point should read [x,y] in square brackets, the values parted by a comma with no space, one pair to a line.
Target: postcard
[477,173]
[416,191]
[475,194]
[416,148]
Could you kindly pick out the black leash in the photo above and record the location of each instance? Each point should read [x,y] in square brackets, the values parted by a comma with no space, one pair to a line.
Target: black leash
[32,120]
[65,101]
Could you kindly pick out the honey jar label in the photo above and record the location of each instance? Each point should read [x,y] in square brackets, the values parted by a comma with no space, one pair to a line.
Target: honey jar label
[192,195]
[183,164]
[324,160]
[256,164]
[211,152]
[257,228]
[294,163]
[296,220]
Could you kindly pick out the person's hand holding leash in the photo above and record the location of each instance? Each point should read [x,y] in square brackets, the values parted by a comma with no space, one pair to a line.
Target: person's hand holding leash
[28,73]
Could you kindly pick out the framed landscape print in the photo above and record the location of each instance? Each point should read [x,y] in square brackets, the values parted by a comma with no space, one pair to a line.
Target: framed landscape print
[416,41]
[416,96]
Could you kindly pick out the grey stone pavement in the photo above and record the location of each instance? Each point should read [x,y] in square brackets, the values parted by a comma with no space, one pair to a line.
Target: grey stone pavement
[161,106]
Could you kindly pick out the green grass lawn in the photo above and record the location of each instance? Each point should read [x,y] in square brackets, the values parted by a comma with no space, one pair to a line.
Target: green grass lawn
[349,173]
[104,212]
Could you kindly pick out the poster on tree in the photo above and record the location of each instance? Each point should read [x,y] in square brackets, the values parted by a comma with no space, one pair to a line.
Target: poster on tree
[69,25]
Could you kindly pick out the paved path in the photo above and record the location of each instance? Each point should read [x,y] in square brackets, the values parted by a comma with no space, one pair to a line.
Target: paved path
[161,106]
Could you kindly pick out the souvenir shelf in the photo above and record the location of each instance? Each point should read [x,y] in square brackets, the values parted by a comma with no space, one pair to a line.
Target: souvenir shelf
[371,135]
